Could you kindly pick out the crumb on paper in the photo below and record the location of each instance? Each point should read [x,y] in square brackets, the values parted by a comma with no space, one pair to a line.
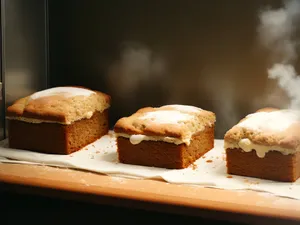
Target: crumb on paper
[209,161]
[86,149]
[97,152]
[194,166]
[71,155]
[93,145]
[105,153]
[251,182]
[204,157]
[255,182]
[229,176]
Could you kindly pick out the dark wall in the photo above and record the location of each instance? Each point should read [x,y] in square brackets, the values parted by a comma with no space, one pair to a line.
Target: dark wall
[154,52]
[24,50]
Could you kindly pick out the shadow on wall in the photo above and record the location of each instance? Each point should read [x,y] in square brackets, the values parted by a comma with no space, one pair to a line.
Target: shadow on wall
[150,53]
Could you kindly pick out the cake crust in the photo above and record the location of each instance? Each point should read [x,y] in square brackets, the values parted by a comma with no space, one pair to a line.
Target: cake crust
[287,138]
[63,105]
[160,121]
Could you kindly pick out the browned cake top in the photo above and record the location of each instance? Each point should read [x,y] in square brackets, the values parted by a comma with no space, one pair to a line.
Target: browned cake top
[276,129]
[60,104]
[178,121]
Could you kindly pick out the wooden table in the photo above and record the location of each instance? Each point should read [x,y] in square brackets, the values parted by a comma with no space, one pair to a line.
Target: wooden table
[239,206]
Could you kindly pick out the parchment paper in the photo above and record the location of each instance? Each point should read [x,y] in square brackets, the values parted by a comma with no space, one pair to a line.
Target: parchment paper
[101,157]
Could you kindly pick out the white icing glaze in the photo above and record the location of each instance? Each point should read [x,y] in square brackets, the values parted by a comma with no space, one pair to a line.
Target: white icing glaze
[166,117]
[138,138]
[64,91]
[270,121]
[185,108]
[261,150]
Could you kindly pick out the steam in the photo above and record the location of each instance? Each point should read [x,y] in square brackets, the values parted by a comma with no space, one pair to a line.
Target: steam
[138,65]
[289,81]
[277,31]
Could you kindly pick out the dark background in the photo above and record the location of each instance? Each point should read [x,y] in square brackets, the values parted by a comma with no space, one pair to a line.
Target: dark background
[25,209]
[202,53]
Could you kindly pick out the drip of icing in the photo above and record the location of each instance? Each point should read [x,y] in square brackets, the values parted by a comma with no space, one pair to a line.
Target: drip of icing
[64,91]
[270,121]
[166,117]
[138,138]
[261,150]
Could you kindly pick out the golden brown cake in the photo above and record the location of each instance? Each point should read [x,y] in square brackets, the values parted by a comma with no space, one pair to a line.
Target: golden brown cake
[265,144]
[58,120]
[171,136]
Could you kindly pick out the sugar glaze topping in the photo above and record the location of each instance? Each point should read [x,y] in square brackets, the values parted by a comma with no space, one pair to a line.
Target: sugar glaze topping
[184,108]
[166,116]
[63,91]
[271,121]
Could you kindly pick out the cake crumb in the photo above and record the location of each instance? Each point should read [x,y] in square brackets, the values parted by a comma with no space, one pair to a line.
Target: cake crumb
[204,157]
[194,166]
[251,182]
[97,152]
[209,161]
[229,176]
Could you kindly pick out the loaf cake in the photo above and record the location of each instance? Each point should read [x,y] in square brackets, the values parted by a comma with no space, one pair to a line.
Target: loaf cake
[59,120]
[171,136]
[265,144]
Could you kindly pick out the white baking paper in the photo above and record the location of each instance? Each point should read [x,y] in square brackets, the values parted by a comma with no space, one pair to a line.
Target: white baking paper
[101,156]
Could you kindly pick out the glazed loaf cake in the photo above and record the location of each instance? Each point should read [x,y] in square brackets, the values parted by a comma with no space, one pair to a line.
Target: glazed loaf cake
[58,120]
[265,144]
[171,136]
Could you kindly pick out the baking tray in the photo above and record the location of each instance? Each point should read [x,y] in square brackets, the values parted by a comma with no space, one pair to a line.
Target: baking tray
[241,206]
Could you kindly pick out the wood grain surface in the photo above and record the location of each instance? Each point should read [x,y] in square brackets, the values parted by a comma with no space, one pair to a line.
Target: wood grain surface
[243,206]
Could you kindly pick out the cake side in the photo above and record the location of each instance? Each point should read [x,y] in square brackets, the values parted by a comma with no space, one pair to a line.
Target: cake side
[63,105]
[274,166]
[169,123]
[163,154]
[55,138]
[266,130]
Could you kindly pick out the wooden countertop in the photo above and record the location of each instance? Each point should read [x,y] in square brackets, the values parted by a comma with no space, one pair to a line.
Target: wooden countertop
[246,206]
